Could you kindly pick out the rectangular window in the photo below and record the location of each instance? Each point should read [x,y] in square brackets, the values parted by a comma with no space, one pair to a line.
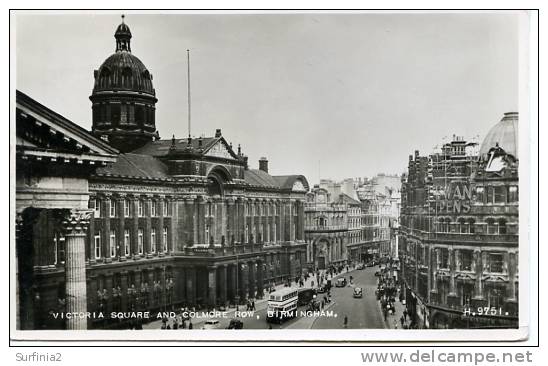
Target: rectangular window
[247,233]
[466,260]
[166,210]
[112,243]
[97,208]
[127,247]
[275,232]
[127,210]
[140,209]
[153,208]
[268,233]
[140,243]
[97,245]
[153,240]
[496,263]
[500,196]
[207,235]
[59,248]
[112,206]
[513,195]
[480,194]
[164,239]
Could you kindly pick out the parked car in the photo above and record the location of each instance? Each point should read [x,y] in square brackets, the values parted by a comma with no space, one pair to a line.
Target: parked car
[358,293]
[341,282]
[361,266]
[235,324]
[322,289]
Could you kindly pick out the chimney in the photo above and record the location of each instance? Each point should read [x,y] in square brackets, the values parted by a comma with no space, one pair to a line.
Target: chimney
[218,133]
[263,164]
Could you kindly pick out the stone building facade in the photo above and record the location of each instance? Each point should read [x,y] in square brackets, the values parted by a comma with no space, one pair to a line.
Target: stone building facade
[458,237]
[333,228]
[162,223]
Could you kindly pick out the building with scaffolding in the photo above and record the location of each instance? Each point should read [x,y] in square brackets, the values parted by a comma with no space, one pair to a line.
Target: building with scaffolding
[458,234]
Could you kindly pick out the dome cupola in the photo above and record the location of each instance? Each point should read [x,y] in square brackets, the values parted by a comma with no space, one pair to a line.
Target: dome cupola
[123,98]
[504,135]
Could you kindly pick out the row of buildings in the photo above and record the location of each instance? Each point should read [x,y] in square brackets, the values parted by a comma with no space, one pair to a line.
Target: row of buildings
[459,234]
[352,220]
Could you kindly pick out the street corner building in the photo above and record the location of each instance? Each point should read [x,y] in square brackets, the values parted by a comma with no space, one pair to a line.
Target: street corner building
[119,220]
[459,237]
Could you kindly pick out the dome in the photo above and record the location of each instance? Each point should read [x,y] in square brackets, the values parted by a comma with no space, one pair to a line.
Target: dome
[123,98]
[123,71]
[504,134]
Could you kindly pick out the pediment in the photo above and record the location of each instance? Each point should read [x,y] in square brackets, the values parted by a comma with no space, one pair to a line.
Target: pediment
[221,150]
[39,128]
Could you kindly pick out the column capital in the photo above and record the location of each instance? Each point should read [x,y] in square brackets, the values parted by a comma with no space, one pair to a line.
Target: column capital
[77,221]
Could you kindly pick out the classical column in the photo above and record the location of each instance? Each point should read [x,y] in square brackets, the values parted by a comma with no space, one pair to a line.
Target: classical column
[251,272]
[123,287]
[212,285]
[105,236]
[260,279]
[233,282]
[243,277]
[160,228]
[134,239]
[190,285]
[120,245]
[223,284]
[148,226]
[75,267]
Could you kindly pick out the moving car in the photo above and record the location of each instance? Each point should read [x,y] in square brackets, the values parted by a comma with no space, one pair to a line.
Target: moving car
[361,266]
[358,293]
[341,282]
[211,324]
[322,289]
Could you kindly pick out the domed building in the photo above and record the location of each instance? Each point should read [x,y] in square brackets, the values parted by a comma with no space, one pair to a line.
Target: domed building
[504,135]
[165,223]
[123,98]
[459,233]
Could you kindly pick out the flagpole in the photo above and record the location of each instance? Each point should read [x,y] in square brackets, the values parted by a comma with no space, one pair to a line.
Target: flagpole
[188,88]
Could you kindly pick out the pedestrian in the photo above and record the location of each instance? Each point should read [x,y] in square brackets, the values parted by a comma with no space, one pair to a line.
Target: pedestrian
[345,322]
[402,321]
[190,326]
[405,314]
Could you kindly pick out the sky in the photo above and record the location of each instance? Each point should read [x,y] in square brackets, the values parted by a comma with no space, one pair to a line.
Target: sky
[323,95]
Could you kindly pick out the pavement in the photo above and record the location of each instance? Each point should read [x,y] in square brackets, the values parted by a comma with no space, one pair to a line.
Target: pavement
[252,319]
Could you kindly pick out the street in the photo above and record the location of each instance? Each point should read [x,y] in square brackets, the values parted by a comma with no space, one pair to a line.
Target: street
[362,313]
